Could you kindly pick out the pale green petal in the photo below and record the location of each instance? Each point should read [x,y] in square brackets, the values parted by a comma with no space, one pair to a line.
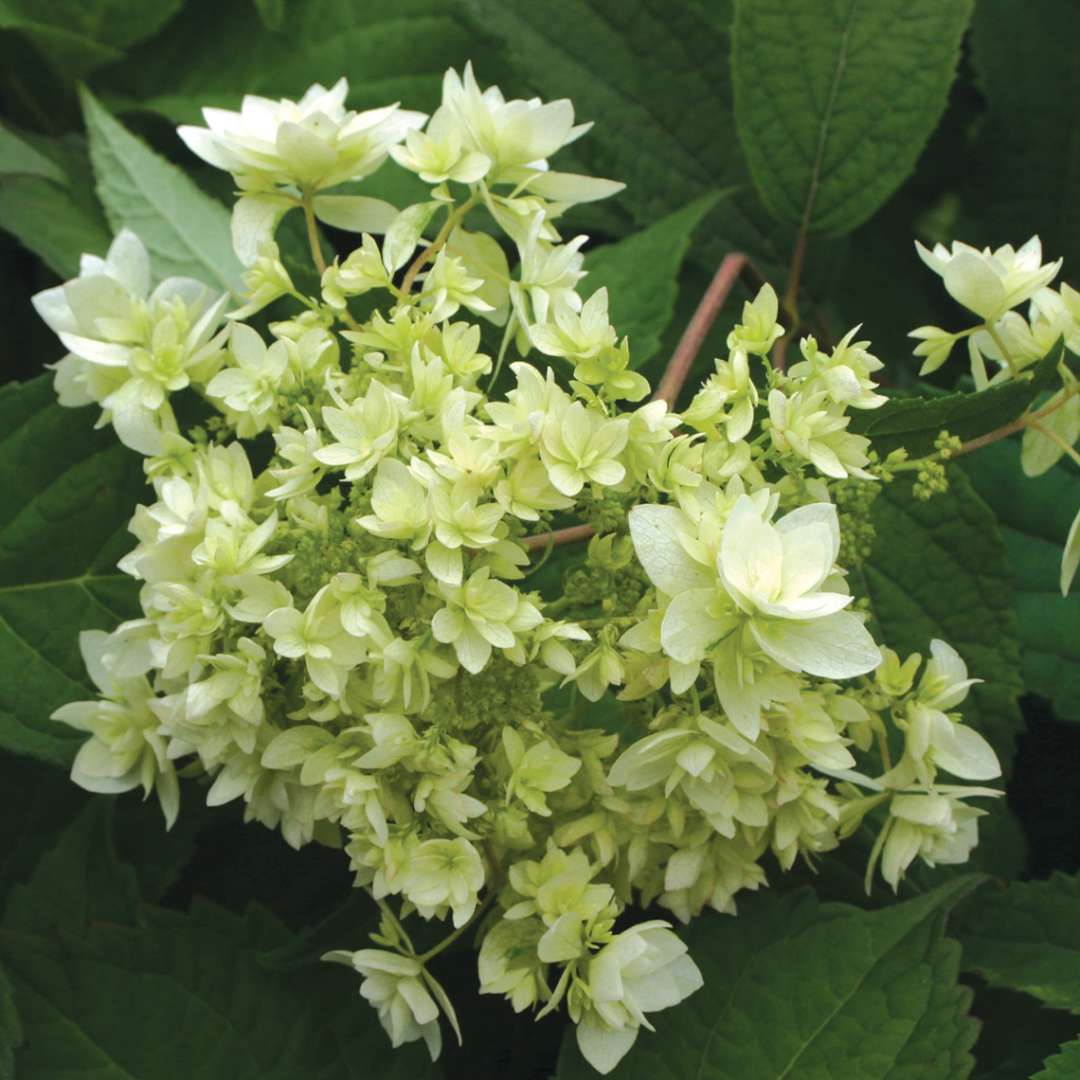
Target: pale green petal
[835,647]
[1070,557]
[688,629]
[655,531]
[602,1047]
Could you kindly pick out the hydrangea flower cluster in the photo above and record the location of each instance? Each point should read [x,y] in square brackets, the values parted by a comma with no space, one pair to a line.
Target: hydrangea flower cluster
[341,624]
[992,285]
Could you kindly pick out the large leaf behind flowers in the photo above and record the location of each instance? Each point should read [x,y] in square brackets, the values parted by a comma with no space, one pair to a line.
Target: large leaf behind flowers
[834,101]
[183,228]
[938,569]
[799,990]
[68,494]
[1035,514]
[109,987]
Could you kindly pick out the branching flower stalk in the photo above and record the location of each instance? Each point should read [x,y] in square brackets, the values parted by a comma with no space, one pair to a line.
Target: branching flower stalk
[349,640]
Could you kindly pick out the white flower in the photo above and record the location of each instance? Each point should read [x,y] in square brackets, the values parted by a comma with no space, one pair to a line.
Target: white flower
[444,873]
[250,388]
[398,987]
[642,970]
[548,276]
[366,430]
[479,615]
[317,636]
[399,505]
[509,134]
[987,282]
[759,329]
[772,572]
[125,749]
[939,828]
[313,143]
[438,152]
[130,347]
[579,446]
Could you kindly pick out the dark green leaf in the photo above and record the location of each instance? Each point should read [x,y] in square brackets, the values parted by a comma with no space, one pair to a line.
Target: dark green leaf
[1027,937]
[834,102]
[655,79]
[641,274]
[1028,170]
[19,158]
[78,882]
[113,987]
[68,494]
[939,569]
[799,990]
[1035,514]
[58,222]
[11,1035]
[185,231]
[915,422]
[388,52]
[1016,1033]
[77,36]
[1062,1066]
[272,13]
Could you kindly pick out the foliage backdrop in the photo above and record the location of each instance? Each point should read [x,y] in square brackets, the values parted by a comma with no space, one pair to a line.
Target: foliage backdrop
[819,138]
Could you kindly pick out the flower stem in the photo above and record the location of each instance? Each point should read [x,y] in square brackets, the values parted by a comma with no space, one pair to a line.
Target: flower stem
[317,255]
[450,938]
[1055,438]
[996,338]
[1029,419]
[572,535]
[313,234]
[694,336]
[790,303]
[453,218]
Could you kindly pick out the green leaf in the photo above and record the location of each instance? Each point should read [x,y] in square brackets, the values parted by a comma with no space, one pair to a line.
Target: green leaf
[799,990]
[78,882]
[76,36]
[126,991]
[19,158]
[57,221]
[388,52]
[1062,1066]
[68,494]
[641,273]
[1035,514]
[272,13]
[11,1035]
[656,82]
[1017,1033]
[1027,937]
[1025,60]
[939,569]
[185,231]
[915,422]
[47,801]
[835,101]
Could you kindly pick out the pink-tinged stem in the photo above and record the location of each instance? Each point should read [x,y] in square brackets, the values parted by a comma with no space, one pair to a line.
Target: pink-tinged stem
[561,536]
[690,343]
[674,375]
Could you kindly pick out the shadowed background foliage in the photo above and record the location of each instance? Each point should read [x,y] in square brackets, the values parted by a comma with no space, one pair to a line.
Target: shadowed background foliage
[817,136]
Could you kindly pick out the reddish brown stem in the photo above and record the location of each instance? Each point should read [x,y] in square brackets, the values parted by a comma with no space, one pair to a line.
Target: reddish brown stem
[570,535]
[690,343]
